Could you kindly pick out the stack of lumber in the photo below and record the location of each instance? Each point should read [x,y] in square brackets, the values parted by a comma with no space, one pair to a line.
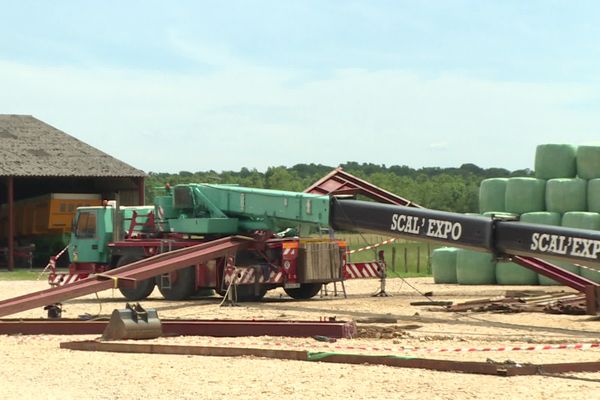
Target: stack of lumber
[554,303]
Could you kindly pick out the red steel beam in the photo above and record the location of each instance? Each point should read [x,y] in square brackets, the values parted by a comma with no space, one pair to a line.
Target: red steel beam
[215,328]
[139,270]
[339,182]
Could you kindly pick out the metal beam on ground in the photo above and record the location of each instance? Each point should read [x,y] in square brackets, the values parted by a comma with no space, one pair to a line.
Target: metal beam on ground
[127,274]
[214,328]
[471,367]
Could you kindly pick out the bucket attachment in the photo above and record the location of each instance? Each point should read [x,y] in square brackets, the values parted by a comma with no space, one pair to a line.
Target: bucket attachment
[134,322]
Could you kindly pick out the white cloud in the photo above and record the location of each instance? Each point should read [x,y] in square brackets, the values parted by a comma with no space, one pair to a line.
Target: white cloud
[244,115]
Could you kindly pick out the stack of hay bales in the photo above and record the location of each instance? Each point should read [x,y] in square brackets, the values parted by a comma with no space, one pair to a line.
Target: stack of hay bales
[564,192]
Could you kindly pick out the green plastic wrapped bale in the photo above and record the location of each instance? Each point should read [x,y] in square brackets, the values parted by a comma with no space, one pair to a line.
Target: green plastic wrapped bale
[492,193]
[590,273]
[581,220]
[555,161]
[564,195]
[593,195]
[508,273]
[542,218]
[475,268]
[525,195]
[564,265]
[443,265]
[588,162]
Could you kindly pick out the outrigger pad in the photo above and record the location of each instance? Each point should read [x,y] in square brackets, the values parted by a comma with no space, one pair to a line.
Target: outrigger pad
[134,322]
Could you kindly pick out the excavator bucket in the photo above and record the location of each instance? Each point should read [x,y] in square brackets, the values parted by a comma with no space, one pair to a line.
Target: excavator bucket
[134,322]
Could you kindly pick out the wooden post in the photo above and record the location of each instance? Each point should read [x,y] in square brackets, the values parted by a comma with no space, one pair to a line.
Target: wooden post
[11,221]
[141,191]
[394,257]
[405,259]
[428,259]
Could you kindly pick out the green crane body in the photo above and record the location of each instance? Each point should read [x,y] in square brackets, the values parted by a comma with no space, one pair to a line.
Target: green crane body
[201,210]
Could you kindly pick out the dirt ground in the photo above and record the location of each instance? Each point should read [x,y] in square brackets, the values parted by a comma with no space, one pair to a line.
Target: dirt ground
[35,366]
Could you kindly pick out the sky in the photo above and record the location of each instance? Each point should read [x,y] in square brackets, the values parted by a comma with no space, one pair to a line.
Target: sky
[198,85]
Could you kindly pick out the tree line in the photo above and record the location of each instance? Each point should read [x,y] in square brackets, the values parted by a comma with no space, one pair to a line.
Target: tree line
[448,189]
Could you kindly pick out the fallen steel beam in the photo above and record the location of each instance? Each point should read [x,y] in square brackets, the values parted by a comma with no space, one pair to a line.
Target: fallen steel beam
[472,367]
[181,327]
[139,270]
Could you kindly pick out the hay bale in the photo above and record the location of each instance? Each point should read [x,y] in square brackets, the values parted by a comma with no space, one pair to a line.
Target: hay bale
[443,265]
[581,220]
[509,273]
[475,268]
[525,195]
[588,162]
[559,263]
[541,218]
[566,194]
[555,161]
[492,193]
[593,195]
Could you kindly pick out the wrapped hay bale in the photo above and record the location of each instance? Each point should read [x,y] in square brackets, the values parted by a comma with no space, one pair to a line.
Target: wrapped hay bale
[581,220]
[542,218]
[588,162]
[525,195]
[509,273]
[565,194]
[593,195]
[492,193]
[475,268]
[559,263]
[443,264]
[555,161]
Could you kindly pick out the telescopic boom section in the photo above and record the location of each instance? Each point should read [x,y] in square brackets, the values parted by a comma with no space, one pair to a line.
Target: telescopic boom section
[480,233]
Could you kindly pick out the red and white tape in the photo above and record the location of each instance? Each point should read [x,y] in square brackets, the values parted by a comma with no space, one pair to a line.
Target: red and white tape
[373,246]
[541,347]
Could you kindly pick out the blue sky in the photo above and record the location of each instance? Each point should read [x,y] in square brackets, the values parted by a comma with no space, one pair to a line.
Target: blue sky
[193,85]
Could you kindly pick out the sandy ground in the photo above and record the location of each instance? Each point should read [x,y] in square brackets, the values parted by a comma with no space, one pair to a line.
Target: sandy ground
[35,367]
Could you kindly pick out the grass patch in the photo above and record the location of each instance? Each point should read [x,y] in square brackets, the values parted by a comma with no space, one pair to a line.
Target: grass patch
[21,275]
[403,258]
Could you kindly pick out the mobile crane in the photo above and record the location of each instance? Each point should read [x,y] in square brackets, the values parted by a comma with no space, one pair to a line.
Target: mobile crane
[213,236]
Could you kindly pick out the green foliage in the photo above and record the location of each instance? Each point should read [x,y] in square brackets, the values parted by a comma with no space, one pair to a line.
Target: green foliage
[448,189]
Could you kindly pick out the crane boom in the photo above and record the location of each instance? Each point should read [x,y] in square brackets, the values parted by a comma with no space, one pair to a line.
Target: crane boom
[479,233]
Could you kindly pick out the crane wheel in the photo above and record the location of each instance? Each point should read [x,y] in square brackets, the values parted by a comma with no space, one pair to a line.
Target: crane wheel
[305,291]
[246,293]
[143,289]
[181,287]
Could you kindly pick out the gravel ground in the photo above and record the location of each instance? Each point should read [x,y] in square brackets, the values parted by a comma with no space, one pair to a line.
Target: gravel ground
[35,367]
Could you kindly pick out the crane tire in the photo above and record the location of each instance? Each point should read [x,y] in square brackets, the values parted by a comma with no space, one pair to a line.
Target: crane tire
[143,288]
[305,291]
[183,286]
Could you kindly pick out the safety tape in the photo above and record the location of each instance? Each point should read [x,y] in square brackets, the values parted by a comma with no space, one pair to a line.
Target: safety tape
[563,346]
[373,246]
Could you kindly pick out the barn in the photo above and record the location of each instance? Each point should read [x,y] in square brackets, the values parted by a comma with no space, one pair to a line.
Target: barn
[45,174]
